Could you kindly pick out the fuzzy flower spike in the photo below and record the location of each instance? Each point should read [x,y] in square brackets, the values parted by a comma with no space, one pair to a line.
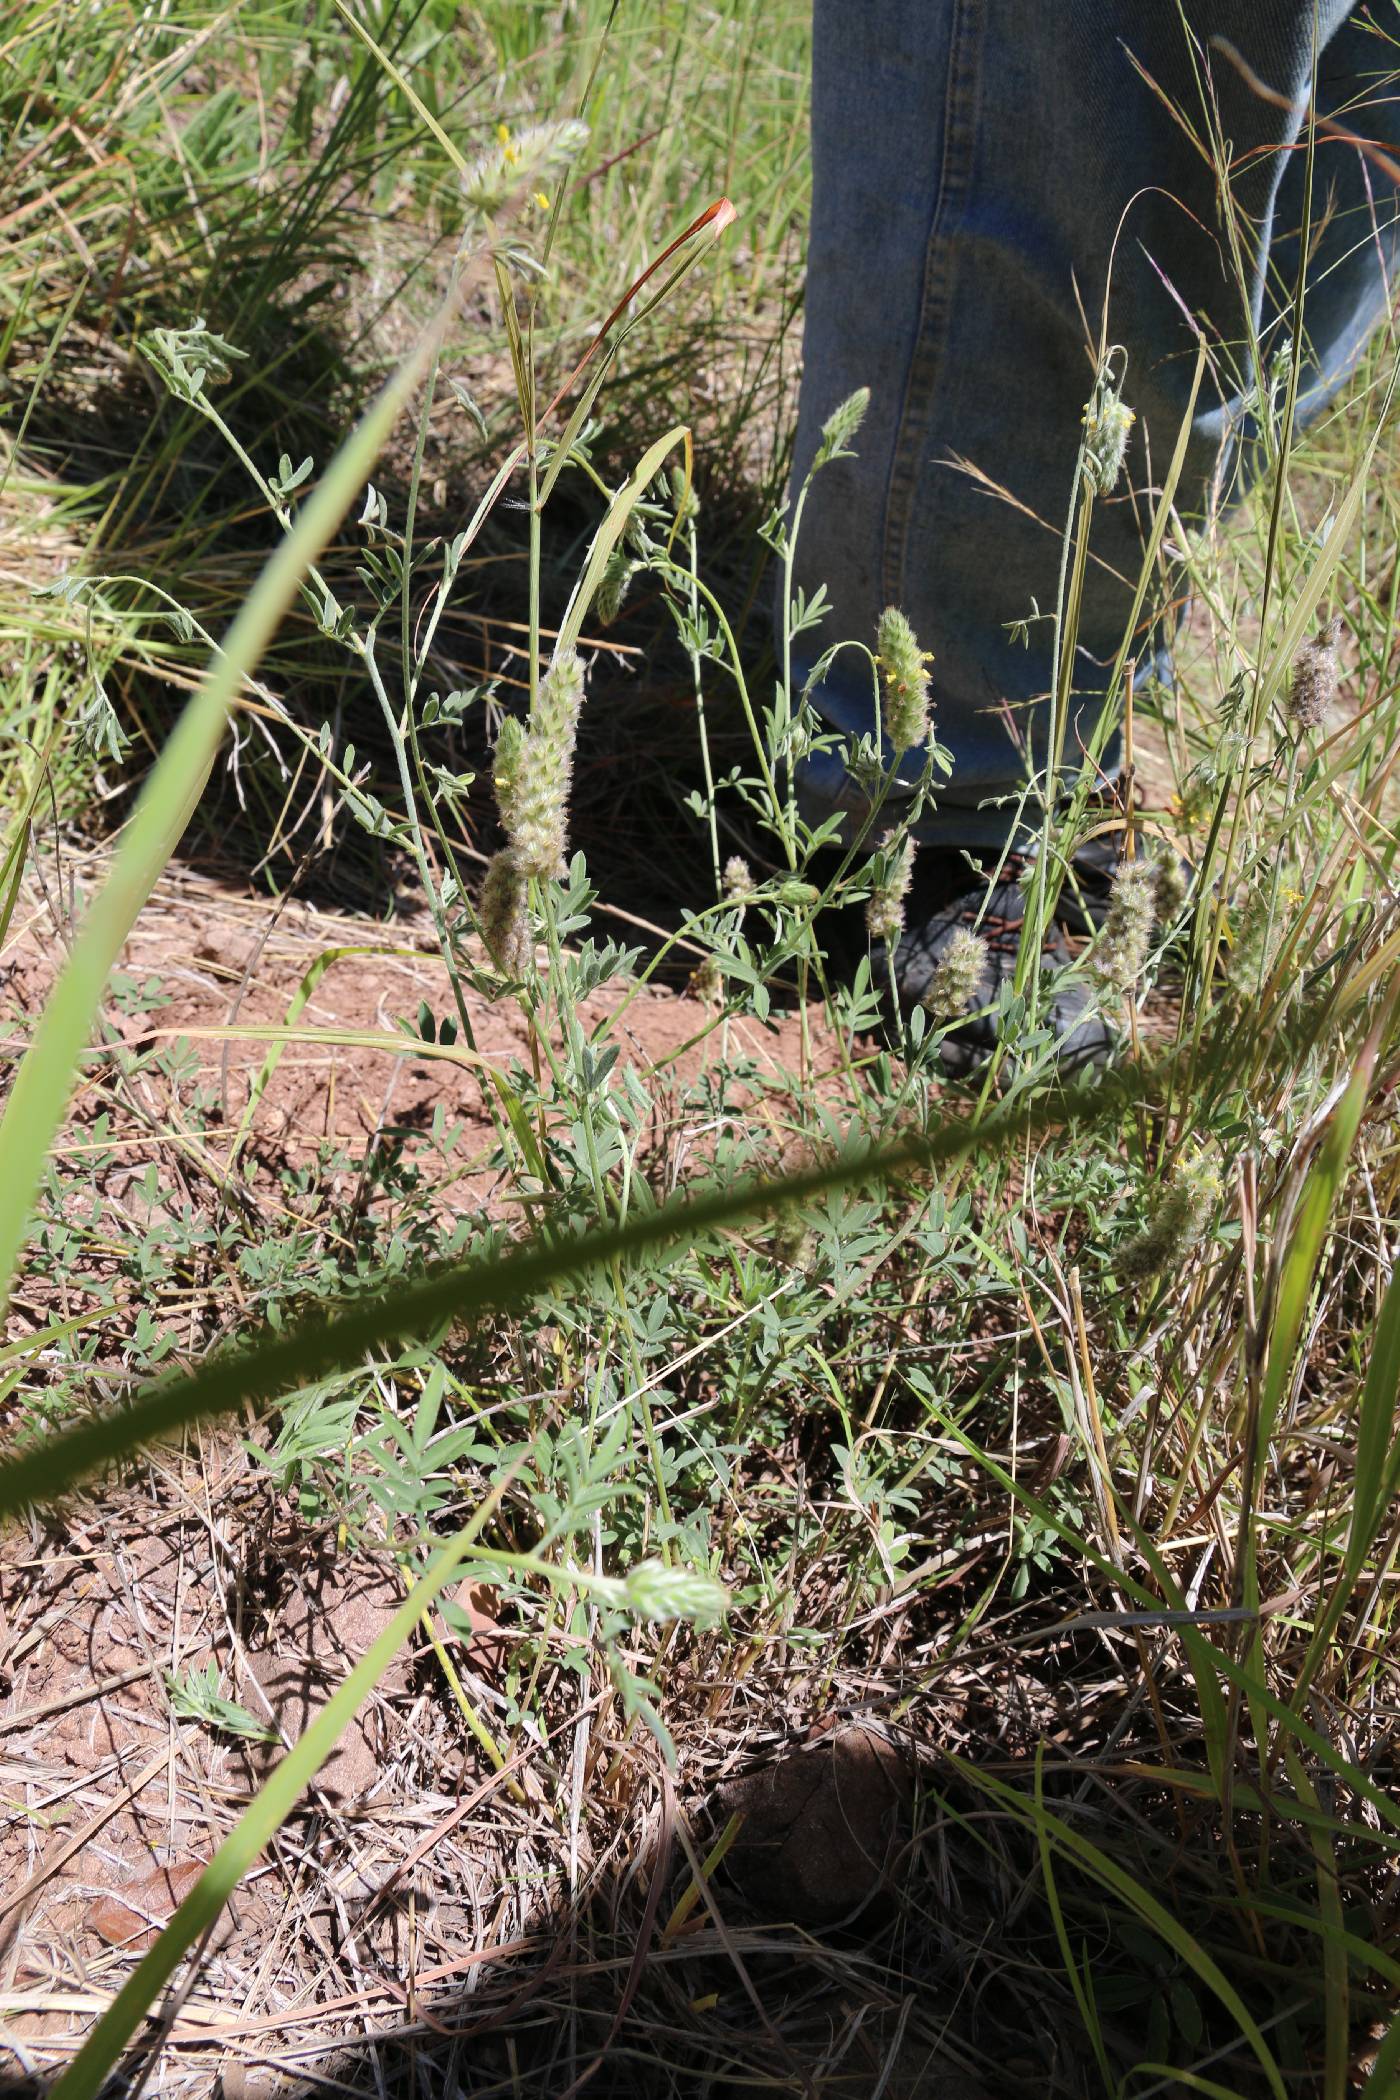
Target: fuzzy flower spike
[1108,425]
[884,909]
[1178,1223]
[959,977]
[1126,939]
[1314,685]
[538,771]
[903,670]
[532,773]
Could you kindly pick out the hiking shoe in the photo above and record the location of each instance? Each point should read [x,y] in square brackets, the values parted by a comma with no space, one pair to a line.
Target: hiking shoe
[935,942]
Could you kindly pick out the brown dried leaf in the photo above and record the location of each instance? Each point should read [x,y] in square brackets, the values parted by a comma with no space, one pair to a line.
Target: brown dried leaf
[135,1917]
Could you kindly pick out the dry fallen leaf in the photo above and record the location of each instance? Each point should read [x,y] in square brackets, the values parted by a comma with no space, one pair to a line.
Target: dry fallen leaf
[135,1917]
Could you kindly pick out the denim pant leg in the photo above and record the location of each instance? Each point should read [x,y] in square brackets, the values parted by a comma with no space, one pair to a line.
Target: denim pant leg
[975,162]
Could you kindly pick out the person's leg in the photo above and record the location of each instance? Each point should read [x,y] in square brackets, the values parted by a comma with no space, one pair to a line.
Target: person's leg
[974,163]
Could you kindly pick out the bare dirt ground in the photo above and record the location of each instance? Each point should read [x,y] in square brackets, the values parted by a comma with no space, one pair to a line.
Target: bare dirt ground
[221,961]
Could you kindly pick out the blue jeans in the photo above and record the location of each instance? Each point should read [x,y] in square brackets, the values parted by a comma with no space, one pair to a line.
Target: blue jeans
[974,162]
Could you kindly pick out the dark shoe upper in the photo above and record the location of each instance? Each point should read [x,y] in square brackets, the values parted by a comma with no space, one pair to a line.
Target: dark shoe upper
[948,900]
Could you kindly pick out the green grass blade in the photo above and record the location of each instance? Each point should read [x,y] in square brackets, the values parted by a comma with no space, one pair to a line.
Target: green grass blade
[1081,1980]
[611,531]
[1377,1450]
[1375,1477]
[1153,1914]
[1336,1992]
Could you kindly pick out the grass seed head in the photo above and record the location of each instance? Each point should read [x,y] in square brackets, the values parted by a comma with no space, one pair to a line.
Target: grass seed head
[1313,688]
[903,667]
[959,977]
[884,910]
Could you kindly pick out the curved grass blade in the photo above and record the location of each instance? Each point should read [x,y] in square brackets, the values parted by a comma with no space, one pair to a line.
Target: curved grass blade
[1107,1872]
[1375,1477]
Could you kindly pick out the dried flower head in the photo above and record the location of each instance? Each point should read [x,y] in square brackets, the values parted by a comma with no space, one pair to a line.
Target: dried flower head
[893,871]
[1126,937]
[1108,424]
[505,925]
[959,977]
[544,769]
[738,878]
[1313,688]
[903,669]
[1178,1222]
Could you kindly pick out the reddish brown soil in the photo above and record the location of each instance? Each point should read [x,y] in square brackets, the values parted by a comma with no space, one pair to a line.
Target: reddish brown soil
[226,961]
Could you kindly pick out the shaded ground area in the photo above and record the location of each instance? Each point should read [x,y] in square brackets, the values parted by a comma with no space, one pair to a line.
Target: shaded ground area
[540,1924]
